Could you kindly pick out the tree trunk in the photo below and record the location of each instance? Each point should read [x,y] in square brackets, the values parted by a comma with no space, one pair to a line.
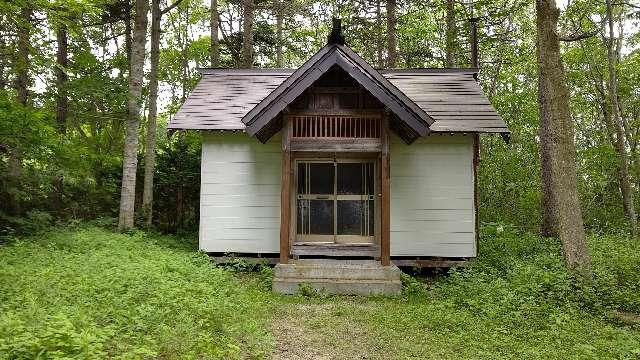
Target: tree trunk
[150,146]
[247,34]
[392,41]
[127,35]
[620,141]
[21,66]
[62,60]
[215,41]
[450,34]
[22,61]
[185,55]
[279,19]
[379,40]
[3,78]
[556,135]
[130,160]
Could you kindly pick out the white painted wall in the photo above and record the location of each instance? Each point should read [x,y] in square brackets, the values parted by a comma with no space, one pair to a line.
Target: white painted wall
[432,201]
[240,194]
[432,210]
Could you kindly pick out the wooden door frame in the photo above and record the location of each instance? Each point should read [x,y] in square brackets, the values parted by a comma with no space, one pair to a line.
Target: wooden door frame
[330,159]
[287,202]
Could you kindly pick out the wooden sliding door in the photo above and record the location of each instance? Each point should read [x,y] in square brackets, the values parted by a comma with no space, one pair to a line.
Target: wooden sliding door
[335,201]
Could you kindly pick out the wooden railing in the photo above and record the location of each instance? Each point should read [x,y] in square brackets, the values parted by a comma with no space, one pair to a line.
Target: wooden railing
[336,126]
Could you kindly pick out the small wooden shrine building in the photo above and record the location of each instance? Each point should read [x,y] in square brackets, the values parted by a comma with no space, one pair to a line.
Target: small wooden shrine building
[337,159]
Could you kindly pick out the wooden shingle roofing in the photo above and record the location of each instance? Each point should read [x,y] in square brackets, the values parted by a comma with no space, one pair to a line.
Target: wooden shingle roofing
[438,100]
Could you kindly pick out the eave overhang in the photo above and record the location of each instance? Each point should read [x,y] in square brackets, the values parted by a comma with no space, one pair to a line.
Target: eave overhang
[409,120]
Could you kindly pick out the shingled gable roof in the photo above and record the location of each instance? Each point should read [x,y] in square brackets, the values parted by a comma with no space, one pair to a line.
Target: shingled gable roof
[451,97]
[258,119]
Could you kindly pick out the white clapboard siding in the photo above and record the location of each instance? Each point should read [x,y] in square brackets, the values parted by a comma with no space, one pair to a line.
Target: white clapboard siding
[240,194]
[432,201]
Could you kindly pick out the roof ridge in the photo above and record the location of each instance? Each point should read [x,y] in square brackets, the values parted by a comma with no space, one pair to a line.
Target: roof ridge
[262,71]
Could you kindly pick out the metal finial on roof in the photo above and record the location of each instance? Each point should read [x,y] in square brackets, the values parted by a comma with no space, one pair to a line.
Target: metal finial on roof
[336,37]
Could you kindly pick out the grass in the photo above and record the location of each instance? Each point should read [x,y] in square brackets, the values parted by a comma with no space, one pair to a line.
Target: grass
[91,293]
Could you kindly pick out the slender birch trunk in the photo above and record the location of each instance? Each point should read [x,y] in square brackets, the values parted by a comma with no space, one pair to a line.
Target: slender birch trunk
[130,159]
[620,140]
[215,40]
[150,145]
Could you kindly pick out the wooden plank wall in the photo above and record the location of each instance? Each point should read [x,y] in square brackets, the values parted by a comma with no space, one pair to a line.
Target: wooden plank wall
[432,197]
[240,194]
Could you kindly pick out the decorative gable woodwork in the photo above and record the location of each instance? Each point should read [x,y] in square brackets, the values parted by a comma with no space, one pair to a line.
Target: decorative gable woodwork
[335,126]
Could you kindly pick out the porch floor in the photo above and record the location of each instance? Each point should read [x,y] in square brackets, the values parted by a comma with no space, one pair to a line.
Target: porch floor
[334,276]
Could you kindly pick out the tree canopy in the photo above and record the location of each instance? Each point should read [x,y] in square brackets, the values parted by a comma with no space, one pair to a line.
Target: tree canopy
[65,69]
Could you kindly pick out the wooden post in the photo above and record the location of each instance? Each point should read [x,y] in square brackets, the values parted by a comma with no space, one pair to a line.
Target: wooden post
[385,214]
[285,193]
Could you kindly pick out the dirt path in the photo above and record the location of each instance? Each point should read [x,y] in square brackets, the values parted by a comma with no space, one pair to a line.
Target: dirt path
[320,331]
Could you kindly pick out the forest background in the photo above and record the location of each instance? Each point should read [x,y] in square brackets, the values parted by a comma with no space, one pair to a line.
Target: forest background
[64,85]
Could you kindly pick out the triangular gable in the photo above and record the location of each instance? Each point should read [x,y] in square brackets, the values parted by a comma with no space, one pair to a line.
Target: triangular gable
[261,121]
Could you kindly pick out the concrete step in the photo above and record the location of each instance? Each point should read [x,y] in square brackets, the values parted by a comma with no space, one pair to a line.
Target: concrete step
[358,277]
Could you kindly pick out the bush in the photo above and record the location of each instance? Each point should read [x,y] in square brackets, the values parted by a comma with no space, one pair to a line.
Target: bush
[522,273]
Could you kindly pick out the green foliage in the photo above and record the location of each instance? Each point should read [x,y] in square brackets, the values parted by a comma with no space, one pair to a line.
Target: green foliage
[75,174]
[519,271]
[411,286]
[177,183]
[93,294]
[306,290]
[517,300]
[89,293]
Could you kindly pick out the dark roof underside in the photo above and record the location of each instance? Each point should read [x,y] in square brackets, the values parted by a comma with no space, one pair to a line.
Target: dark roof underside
[451,97]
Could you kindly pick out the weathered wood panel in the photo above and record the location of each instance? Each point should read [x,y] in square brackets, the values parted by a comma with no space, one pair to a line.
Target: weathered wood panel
[240,194]
[432,197]
[337,145]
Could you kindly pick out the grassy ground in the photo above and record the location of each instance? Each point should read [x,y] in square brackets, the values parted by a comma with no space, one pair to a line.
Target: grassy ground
[91,293]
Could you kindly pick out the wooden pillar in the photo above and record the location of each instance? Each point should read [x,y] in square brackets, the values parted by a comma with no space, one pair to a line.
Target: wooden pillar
[285,194]
[385,213]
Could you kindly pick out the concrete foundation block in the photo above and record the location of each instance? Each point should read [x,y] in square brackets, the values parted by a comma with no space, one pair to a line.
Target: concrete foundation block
[355,277]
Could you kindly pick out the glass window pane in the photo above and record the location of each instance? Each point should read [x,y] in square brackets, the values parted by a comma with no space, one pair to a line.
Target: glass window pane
[302,178]
[350,179]
[370,189]
[321,178]
[321,213]
[372,219]
[351,217]
[302,216]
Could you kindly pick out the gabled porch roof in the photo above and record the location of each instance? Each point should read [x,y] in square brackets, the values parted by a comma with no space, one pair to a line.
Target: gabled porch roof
[262,120]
